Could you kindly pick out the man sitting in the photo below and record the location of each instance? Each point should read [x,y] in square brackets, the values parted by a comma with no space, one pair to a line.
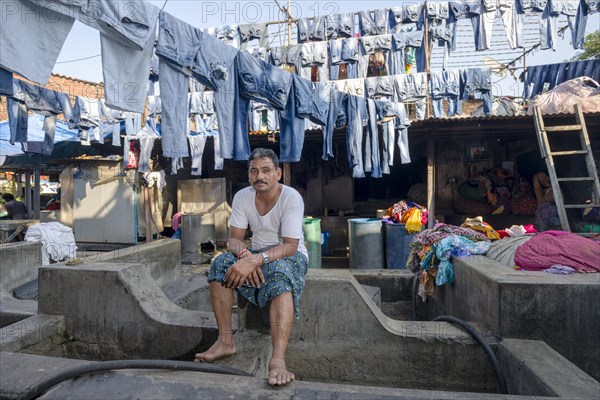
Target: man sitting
[272,270]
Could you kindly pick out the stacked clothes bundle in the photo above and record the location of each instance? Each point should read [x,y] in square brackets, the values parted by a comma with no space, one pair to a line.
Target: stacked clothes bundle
[432,249]
[479,225]
[412,215]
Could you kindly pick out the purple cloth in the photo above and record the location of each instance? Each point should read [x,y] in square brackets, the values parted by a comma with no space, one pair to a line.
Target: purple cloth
[557,247]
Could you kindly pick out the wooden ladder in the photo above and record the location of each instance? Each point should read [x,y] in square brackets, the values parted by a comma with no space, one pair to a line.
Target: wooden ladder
[548,155]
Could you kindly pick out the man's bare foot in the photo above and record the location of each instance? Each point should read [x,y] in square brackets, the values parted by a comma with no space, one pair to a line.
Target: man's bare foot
[216,351]
[278,373]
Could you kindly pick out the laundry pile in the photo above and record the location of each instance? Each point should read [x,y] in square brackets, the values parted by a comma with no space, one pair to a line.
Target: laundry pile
[432,249]
[412,215]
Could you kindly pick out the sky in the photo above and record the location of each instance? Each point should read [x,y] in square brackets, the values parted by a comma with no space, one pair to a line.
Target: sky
[84,42]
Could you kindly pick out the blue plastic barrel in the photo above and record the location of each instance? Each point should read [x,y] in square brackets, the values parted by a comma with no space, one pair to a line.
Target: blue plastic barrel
[397,245]
[324,243]
[365,238]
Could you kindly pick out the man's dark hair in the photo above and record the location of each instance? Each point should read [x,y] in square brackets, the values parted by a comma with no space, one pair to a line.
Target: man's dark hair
[8,197]
[264,153]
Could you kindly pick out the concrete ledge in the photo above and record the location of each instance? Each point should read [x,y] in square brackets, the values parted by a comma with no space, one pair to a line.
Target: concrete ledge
[118,311]
[191,292]
[534,367]
[16,377]
[395,284]
[561,310]
[30,331]
[161,257]
[19,263]
[13,310]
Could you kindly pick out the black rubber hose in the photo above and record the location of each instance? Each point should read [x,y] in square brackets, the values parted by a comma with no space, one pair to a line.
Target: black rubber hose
[502,389]
[103,366]
[415,288]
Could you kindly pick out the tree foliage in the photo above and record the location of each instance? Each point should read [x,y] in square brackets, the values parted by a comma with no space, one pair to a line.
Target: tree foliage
[591,47]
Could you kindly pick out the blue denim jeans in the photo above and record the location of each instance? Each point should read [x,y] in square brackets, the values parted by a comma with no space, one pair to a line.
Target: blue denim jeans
[373,22]
[445,84]
[304,29]
[314,54]
[263,82]
[130,22]
[357,114]
[464,9]
[400,41]
[311,101]
[586,8]
[253,31]
[32,38]
[291,137]
[17,120]
[185,49]
[146,144]
[232,115]
[381,86]
[125,88]
[412,88]
[372,158]
[6,82]
[478,85]
[331,100]
[549,21]
[406,13]
[197,144]
[345,27]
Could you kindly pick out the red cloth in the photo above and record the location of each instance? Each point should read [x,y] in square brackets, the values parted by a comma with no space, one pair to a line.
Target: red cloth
[559,248]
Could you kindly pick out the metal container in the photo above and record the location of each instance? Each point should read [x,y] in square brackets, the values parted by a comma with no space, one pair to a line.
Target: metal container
[195,230]
[366,243]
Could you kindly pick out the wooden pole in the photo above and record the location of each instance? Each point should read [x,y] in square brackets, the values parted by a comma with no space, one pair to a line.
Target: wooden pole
[28,199]
[287,169]
[148,214]
[431,182]
[36,190]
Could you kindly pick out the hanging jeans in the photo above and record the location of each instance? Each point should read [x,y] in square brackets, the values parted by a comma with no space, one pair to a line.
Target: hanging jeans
[197,144]
[446,85]
[253,31]
[381,86]
[549,21]
[478,85]
[357,116]
[187,51]
[32,38]
[400,41]
[229,35]
[6,83]
[464,9]
[372,158]
[412,88]
[410,12]
[331,100]
[17,120]
[586,7]
[506,9]
[125,71]
[314,54]
[291,137]
[373,22]
[233,126]
[370,45]
[146,144]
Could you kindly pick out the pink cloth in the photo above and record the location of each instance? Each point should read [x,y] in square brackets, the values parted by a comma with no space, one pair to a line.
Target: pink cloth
[176,220]
[557,247]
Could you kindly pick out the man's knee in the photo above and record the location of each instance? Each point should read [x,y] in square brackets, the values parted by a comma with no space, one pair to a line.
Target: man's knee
[220,265]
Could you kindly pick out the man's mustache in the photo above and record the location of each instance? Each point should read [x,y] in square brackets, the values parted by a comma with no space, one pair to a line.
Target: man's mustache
[257,182]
